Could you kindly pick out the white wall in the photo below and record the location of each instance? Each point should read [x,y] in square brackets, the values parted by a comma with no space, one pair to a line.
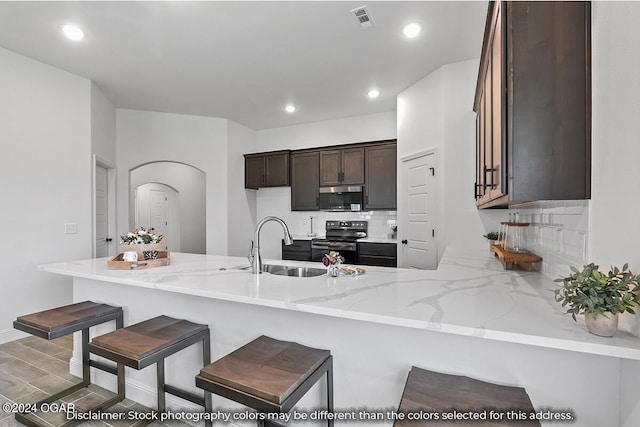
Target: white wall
[144,136]
[277,201]
[370,127]
[437,112]
[103,126]
[45,176]
[241,203]
[615,194]
[615,197]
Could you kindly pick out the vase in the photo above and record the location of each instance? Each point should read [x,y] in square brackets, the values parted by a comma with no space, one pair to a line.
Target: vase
[604,325]
[333,270]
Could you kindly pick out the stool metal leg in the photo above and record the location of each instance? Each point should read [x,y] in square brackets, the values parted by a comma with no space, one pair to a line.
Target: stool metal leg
[206,359]
[330,391]
[86,373]
[162,406]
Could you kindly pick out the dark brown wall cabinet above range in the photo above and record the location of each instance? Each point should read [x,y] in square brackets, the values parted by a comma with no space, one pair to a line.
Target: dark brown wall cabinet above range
[305,168]
[266,169]
[533,104]
[342,167]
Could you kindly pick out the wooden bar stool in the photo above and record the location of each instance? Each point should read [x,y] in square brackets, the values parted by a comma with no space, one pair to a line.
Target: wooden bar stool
[151,341]
[57,322]
[268,375]
[432,392]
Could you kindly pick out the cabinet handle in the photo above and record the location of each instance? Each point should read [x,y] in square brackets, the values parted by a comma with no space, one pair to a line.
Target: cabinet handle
[404,242]
[486,171]
[476,187]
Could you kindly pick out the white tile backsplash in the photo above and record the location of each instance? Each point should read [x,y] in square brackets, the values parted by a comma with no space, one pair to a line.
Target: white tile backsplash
[277,202]
[558,233]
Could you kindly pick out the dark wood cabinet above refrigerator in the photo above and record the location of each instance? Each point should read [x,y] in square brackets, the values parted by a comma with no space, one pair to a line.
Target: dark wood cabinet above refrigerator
[533,104]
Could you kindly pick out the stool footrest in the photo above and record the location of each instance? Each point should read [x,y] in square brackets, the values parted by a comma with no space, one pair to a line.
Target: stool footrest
[104,367]
[183,394]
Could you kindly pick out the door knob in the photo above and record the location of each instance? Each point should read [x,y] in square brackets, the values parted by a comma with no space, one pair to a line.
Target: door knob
[108,239]
[404,242]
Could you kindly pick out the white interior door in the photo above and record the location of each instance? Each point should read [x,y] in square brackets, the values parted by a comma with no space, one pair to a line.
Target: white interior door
[158,213]
[156,208]
[418,223]
[101,212]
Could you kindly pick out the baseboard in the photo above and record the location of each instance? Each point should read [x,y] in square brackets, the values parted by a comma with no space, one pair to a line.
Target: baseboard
[135,391]
[7,335]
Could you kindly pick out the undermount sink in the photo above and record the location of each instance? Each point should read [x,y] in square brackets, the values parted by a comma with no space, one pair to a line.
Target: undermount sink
[291,271]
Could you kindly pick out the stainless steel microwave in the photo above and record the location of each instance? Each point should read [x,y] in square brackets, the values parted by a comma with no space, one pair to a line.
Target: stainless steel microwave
[341,198]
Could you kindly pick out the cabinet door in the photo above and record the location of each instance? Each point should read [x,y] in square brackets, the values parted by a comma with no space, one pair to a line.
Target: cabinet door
[380,177]
[304,181]
[353,166]
[497,174]
[330,167]
[277,170]
[254,172]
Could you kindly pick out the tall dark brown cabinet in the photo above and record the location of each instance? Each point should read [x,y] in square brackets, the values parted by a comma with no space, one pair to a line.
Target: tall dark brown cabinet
[380,177]
[305,166]
[533,103]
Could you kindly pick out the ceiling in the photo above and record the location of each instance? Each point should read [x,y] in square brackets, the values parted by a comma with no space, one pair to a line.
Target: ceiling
[246,60]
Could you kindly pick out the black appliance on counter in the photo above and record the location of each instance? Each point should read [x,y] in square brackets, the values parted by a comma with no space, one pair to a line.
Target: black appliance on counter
[341,236]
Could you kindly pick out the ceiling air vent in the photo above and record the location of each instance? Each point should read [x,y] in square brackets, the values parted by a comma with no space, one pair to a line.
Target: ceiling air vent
[363,16]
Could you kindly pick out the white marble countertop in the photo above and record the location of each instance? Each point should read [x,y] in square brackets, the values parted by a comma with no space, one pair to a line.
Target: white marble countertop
[470,294]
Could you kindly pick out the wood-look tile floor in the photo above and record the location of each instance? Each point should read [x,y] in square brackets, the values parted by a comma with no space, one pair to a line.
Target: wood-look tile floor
[33,368]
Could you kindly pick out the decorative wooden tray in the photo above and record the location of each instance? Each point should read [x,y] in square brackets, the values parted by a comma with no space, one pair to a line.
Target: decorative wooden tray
[512,260]
[117,263]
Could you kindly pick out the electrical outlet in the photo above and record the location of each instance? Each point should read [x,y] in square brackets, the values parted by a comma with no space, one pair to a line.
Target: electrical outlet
[71,228]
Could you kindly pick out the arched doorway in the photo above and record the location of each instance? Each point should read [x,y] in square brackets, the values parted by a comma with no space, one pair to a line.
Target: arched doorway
[184,187]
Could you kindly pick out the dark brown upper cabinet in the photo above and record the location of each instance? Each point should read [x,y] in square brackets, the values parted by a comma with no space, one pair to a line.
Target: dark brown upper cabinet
[342,166]
[266,169]
[533,104]
[304,181]
[380,177]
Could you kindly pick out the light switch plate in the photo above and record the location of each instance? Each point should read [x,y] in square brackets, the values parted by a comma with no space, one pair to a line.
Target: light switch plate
[71,228]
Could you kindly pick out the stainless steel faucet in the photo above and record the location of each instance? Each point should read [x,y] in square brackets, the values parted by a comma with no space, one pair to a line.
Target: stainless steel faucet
[254,256]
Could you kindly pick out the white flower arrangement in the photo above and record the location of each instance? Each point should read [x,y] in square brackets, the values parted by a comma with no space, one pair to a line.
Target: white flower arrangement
[140,236]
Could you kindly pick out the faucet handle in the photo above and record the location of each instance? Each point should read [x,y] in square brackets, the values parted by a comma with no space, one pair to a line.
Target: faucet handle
[251,255]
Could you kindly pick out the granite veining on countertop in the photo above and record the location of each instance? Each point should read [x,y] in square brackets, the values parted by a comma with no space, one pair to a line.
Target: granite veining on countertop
[469,294]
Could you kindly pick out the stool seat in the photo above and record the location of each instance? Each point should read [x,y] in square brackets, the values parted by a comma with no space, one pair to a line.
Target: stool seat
[266,367]
[428,391]
[65,320]
[61,321]
[144,343]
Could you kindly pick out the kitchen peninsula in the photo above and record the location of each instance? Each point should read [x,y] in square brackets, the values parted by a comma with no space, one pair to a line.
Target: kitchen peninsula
[469,317]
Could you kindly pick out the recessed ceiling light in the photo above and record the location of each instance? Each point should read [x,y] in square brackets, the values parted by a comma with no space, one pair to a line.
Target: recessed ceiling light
[72,32]
[373,93]
[412,30]
[290,108]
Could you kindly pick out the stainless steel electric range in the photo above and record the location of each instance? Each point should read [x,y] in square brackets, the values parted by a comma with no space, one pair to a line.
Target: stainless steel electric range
[341,236]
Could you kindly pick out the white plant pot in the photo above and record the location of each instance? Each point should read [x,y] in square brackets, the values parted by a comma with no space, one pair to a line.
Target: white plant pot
[140,248]
[604,325]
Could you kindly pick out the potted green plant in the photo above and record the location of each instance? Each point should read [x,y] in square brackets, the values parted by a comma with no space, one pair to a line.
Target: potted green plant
[600,297]
[494,237]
